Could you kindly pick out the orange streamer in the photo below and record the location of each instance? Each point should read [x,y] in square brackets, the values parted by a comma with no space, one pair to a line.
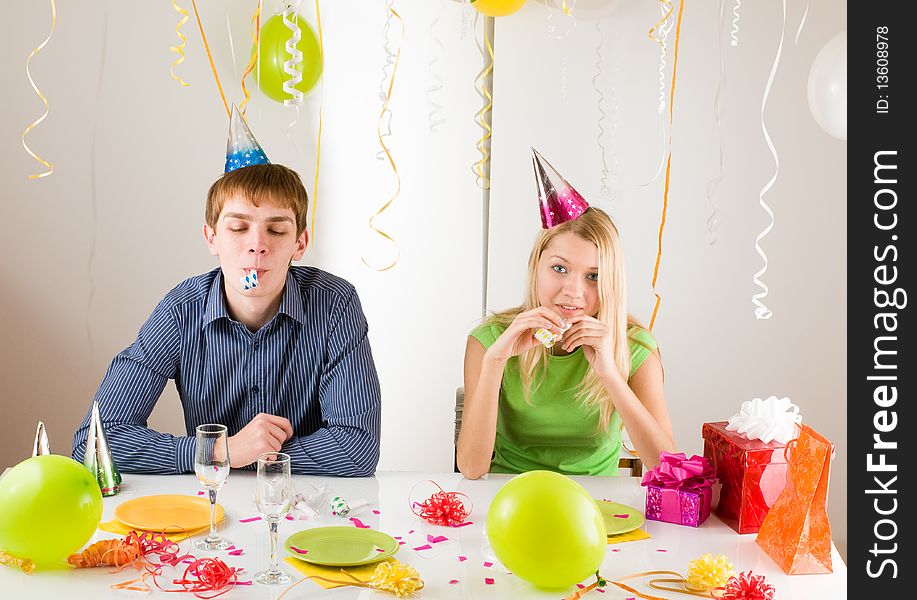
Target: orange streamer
[44,115]
[210,58]
[256,36]
[668,167]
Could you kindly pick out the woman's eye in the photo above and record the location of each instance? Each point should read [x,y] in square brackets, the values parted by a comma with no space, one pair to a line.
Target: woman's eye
[559,269]
[592,276]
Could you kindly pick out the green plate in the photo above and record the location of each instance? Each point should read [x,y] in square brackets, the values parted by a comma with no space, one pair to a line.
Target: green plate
[340,546]
[615,525]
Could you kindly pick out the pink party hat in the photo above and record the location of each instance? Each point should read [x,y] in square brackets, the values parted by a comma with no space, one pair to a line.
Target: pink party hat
[557,199]
[242,149]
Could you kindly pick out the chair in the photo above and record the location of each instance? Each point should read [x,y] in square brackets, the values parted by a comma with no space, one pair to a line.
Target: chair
[629,463]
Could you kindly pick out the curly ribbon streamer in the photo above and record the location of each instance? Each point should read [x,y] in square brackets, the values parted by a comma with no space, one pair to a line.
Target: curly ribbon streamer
[735,23]
[600,98]
[435,108]
[761,311]
[600,582]
[179,49]
[664,27]
[256,38]
[387,98]
[712,222]
[291,66]
[44,115]
[318,142]
[392,576]
[668,167]
[386,76]
[482,118]
[25,564]
[802,23]
[213,68]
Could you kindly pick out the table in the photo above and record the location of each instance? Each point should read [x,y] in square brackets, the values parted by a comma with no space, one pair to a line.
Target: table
[671,547]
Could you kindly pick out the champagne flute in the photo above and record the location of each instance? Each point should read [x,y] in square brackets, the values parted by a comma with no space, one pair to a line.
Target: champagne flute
[211,465]
[273,496]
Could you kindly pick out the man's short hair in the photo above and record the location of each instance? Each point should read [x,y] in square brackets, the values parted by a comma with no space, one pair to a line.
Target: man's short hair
[275,185]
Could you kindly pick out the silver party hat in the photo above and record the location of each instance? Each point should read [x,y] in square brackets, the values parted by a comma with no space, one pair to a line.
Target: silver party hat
[40,446]
[98,458]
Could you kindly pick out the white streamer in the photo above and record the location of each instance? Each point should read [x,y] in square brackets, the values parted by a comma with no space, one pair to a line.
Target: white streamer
[712,222]
[603,187]
[735,23]
[437,85]
[232,50]
[292,66]
[802,23]
[761,311]
[664,30]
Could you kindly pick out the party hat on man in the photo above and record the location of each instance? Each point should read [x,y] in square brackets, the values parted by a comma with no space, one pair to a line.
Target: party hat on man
[242,149]
[558,200]
[41,446]
[98,458]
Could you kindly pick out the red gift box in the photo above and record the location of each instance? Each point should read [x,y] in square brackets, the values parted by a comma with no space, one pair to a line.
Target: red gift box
[753,475]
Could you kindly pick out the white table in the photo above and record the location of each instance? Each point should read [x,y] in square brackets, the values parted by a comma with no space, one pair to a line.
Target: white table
[388,493]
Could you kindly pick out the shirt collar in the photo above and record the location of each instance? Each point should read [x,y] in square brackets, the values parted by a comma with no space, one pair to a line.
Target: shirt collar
[290,304]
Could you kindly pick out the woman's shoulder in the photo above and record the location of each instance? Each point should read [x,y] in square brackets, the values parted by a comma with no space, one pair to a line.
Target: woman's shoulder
[487,332]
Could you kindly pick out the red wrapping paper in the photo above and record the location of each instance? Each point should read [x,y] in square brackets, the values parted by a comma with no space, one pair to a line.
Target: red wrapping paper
[753,475]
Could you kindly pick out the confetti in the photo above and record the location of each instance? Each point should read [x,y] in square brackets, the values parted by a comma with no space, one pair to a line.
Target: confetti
[435,539]
[489,580]
[250,520]
[424,547]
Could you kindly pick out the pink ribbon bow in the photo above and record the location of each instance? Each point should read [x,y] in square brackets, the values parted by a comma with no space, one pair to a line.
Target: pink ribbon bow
[676,471]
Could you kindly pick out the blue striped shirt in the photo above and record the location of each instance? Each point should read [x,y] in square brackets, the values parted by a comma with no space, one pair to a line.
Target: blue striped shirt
[311,364]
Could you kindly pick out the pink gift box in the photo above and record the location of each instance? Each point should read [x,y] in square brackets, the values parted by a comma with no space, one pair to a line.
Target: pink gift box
[679,489]
[682,507]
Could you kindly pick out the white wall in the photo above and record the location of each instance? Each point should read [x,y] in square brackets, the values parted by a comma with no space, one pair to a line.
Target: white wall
[92,248]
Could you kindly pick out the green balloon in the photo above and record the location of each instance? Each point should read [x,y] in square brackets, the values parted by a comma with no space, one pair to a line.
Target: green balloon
[270,74]
[50,506]
[547,529]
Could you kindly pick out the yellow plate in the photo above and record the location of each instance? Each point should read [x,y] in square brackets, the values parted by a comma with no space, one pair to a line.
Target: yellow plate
[167,513]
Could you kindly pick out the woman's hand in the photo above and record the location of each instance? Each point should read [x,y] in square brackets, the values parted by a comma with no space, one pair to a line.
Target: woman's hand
[519,336]
[597,341]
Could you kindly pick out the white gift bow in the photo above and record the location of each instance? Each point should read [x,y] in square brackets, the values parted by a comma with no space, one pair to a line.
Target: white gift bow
[766,420]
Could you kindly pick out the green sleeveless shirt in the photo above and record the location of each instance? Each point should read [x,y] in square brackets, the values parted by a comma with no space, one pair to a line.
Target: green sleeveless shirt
[555,431]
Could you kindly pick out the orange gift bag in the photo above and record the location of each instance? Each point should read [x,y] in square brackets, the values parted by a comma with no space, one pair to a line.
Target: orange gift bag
[796,532]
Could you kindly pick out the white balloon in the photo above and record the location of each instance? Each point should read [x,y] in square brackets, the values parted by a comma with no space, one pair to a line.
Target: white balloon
[827,87]
[589,10]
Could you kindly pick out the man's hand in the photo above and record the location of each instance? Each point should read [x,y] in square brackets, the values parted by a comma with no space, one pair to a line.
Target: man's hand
[264,433]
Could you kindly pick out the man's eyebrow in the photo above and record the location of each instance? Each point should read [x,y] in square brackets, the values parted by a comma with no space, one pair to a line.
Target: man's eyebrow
[245,217]
[279,219]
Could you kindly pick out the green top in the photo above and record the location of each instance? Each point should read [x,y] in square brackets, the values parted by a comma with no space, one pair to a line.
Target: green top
[555,431]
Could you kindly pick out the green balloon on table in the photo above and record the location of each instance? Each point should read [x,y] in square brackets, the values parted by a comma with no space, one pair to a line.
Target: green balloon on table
[50,506]
[547,529]
[273,54]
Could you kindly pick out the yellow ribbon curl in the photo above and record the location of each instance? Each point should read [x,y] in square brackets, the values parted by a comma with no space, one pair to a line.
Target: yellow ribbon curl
[256,37]
[318,143]
[388,154]
[668,166]
[44,115]
[399,578]
[669,7]
[179,49]
[483,180]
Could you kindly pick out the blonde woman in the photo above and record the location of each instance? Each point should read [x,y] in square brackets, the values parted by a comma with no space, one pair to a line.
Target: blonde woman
[530,406]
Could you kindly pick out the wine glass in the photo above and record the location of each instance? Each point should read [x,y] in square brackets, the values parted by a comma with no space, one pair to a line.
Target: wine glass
[273,496]
[211,465]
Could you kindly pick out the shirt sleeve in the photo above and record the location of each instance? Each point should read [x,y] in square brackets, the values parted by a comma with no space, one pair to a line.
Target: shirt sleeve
[350,401]
[129,391]
[642,344]
[486,333]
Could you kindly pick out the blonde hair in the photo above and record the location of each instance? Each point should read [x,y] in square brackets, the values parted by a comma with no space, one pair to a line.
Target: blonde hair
[275,185]
[594,226]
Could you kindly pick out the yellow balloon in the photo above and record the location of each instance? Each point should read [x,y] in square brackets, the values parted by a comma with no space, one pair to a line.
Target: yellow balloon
[497,8]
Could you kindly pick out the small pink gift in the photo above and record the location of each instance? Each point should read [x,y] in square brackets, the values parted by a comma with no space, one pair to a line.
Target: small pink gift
[679,489]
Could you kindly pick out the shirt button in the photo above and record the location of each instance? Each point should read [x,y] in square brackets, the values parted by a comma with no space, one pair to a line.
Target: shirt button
[255,389]
[256,345]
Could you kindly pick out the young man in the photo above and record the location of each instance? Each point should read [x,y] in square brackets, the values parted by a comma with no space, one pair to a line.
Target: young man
[278,354]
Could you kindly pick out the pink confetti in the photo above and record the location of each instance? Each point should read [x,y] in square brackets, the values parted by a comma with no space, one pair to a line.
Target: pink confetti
[462,558]
[236,552]
[298,550]
[358,523]
[487,563]
[200,493]
[424,547]
[489,580]
[233,547]
[600,590]
[661,550]
[380,550]
[410,532]
[465,524]
[615,549]
[289,517]
[453,581]
[402,543]
[435,539]
[397,537]
[376,512]
[581,586]
[622,516]
[250,520]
